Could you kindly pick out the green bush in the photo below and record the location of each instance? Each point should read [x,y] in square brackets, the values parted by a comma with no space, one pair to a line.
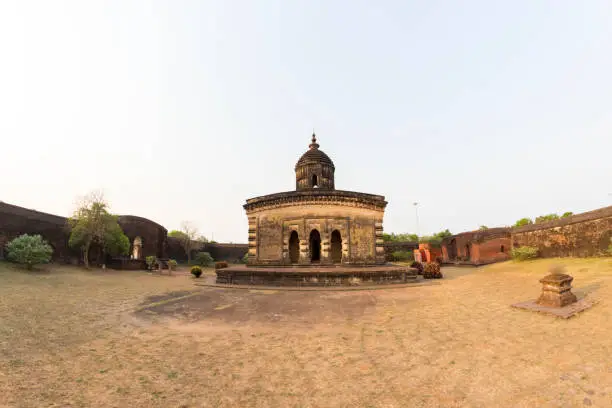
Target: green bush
[196,271]
[151,260]
[29,250]
[402,256]
[523,253]
[203,259]
[610,250]
[431,270]
[245,258]
[221,265]
[172,264]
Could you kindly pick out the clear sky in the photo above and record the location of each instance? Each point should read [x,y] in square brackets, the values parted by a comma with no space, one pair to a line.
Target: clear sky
[482,111]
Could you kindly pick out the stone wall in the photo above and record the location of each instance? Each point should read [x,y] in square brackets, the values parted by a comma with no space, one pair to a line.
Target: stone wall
[580,235]
[15,221]
[219,251]
[477,247]
[152,235]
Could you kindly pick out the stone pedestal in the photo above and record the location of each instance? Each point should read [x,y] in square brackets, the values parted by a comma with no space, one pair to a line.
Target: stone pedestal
[556,289]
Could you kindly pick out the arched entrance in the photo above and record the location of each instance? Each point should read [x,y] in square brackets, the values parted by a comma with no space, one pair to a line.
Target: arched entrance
[467,252]
[452,250]
[336,246]
[294,247]
[315,246]
[137,248]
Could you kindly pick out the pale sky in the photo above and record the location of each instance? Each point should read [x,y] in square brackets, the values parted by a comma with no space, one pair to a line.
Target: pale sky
[484,112]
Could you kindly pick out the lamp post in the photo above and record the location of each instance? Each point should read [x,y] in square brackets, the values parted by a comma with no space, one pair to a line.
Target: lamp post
[416,212]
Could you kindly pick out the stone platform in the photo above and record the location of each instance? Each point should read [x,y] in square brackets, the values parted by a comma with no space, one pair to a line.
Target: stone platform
[563,312]
[344,275]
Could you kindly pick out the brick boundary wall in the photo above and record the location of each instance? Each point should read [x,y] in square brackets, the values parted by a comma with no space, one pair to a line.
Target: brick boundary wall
[580,235]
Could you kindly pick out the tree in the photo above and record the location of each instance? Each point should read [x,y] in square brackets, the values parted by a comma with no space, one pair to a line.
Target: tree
[545,218]
[204,259]
[523,221]
[483,228]
[29,250]
[567,214]
[92,224]
[436,239]
[392,237]
[186,236]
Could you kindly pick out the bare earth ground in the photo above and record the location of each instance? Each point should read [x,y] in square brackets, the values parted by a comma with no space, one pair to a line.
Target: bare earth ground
[74,338]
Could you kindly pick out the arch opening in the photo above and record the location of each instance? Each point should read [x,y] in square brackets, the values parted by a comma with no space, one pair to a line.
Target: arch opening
[467,252]
[452,250]
[315,181]
[294,247]
[315,246]
[137,248]
[336,247]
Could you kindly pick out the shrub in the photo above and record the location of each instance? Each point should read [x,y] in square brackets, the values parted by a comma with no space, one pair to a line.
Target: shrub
[151,260]
[172,264]
[245,258]
[402,256]
[29,250]
[418,266]
[431,270]
[203,259]
[523,253]
[221,265]
[610,250]
[196,271]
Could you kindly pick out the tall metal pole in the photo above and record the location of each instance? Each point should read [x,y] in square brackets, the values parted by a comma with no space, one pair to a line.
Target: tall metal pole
[416,211]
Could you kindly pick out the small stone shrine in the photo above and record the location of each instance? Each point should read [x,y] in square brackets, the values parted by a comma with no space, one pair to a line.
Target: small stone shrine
[315,235]
[557,298]
[556,289]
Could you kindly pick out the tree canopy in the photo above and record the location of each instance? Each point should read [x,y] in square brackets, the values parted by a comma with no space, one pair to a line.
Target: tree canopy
[545,218]
[392,237]
[92,224]
[523,221]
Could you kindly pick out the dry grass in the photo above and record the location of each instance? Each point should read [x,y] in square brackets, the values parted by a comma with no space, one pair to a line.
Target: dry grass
[73,338]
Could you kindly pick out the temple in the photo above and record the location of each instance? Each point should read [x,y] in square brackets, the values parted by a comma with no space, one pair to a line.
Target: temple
[315,227]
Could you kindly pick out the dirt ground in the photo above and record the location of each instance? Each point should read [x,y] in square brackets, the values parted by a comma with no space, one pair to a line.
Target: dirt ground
[75,338]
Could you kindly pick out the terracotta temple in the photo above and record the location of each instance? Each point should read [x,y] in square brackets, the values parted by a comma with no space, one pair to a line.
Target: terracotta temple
[315,235]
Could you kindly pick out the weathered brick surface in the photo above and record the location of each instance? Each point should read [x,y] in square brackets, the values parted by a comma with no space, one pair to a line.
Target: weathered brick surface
[478,247]
[356,225]
[581,235]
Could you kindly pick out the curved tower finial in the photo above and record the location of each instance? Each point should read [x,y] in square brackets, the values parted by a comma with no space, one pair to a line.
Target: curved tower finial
[313,143]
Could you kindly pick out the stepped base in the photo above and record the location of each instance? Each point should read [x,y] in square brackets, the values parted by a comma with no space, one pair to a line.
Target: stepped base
[316,275]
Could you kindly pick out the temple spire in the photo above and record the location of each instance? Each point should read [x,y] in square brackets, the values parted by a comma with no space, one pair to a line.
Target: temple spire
[313,144]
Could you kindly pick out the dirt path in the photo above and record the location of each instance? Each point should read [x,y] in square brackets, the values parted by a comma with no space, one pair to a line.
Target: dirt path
[454,343]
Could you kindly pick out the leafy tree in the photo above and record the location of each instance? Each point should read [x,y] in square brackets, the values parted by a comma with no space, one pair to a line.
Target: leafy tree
[176,234]
[523,221]
[186,236]
[435,240]
[567,214]
[545,218]
[92,224]
[483,228]
[204,259]
[202,238]
[392,237]
[29,250]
